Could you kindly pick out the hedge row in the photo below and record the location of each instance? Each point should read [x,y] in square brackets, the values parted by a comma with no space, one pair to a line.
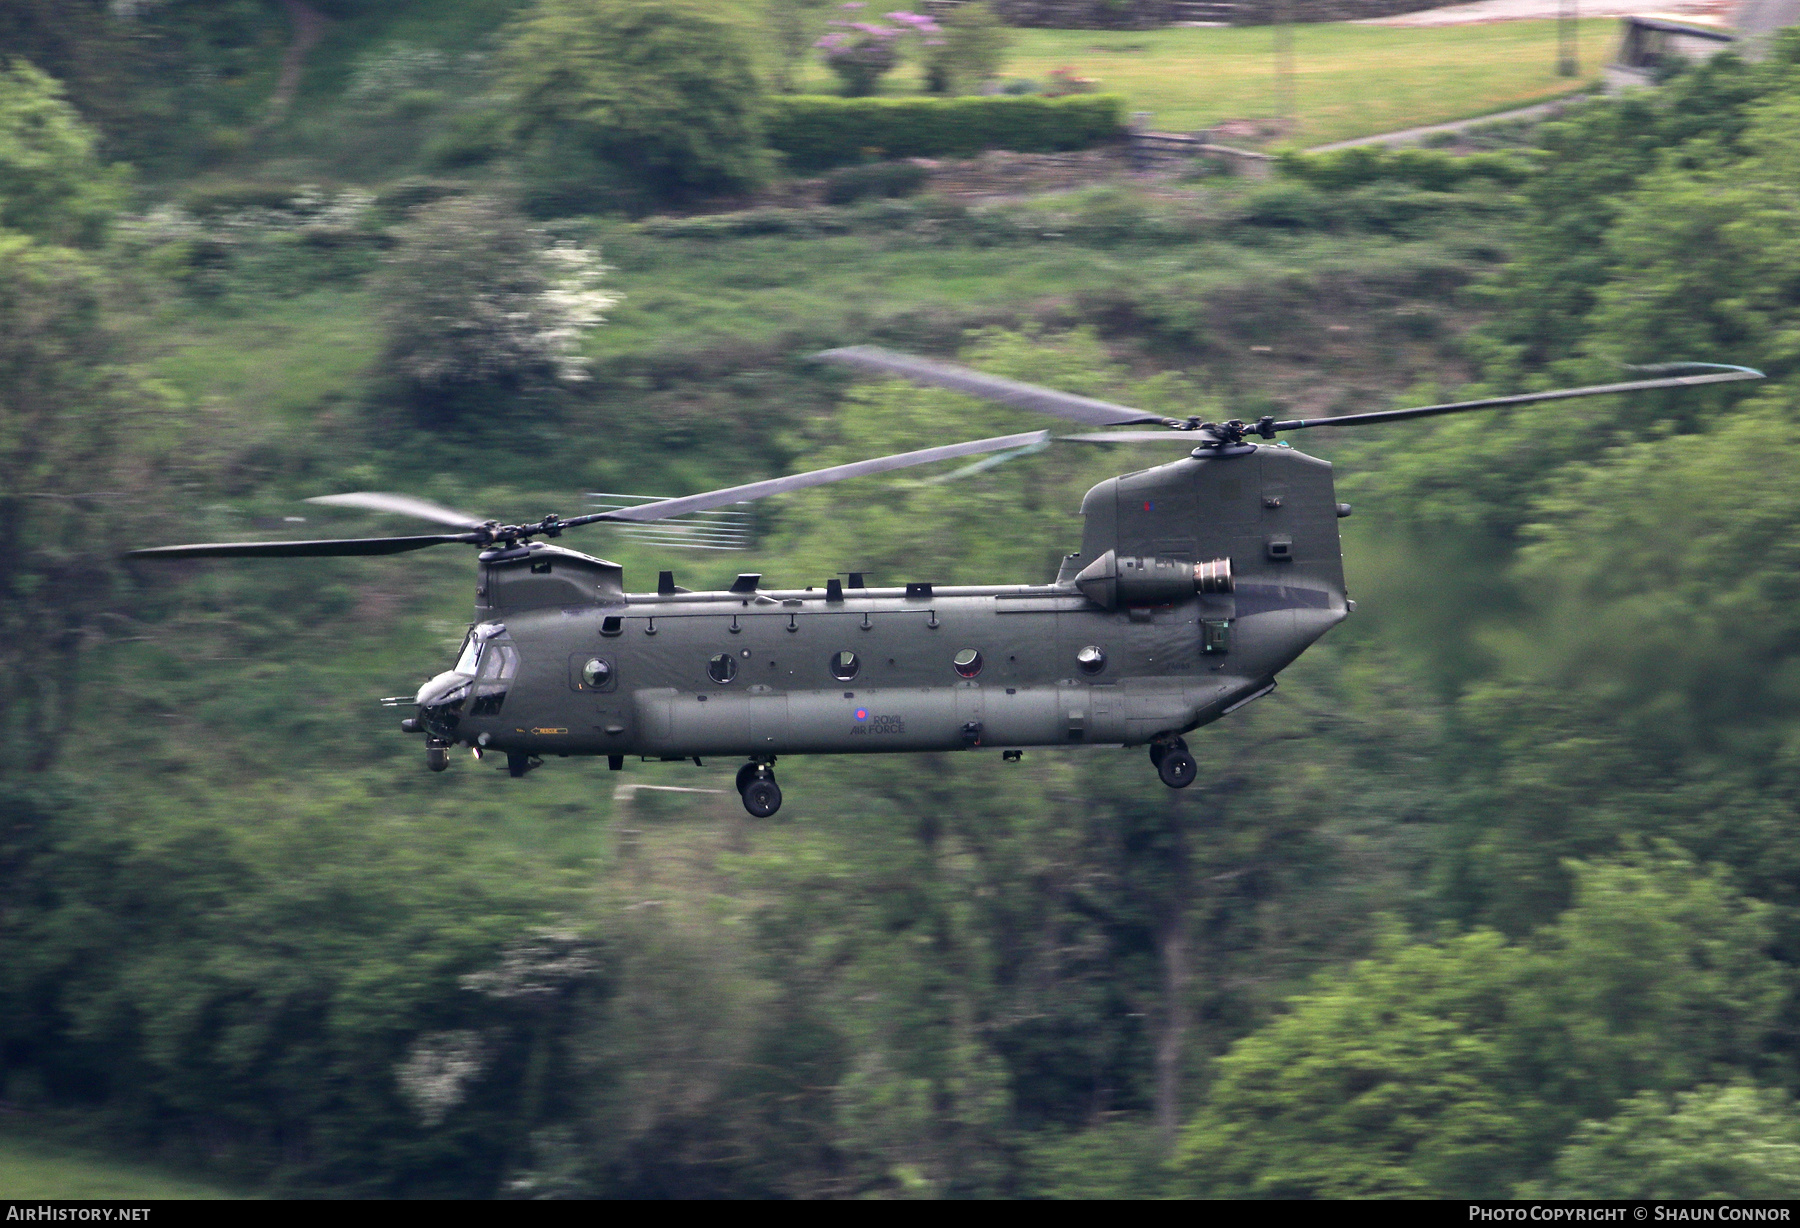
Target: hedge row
[1423,168]
[815,132]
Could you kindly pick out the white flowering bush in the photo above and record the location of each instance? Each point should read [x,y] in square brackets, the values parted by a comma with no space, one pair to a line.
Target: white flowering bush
[572,305]
[476,302]
[379,78]
[309,208]
[437,1070]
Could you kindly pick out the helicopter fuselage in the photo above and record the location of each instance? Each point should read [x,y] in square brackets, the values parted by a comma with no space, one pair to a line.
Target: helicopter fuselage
[1123,649]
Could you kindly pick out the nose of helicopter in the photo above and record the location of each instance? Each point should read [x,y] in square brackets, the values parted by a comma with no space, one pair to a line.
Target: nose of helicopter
[434,693]
[440,702]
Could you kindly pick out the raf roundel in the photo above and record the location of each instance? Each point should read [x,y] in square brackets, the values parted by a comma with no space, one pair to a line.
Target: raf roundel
[862,714]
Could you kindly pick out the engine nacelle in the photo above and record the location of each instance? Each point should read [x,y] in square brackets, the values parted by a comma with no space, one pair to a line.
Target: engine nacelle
[1111,581]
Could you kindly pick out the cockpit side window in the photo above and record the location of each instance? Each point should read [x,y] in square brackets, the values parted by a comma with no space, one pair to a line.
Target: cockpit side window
[469,660]
[471,653]
[499,664]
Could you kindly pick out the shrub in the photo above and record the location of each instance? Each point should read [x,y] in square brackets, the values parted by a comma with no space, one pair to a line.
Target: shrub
[1286,206]
[470,139]
[854,183]
[661,93]
[815,132]
[1424,168]
[477,307]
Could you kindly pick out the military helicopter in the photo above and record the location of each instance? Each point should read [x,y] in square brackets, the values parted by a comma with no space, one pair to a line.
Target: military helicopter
[1196,583]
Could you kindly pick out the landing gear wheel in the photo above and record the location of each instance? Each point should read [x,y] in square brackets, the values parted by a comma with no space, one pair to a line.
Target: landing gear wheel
[437,756]
[745,775]
[1157,751]
[1177,767]
[762,797]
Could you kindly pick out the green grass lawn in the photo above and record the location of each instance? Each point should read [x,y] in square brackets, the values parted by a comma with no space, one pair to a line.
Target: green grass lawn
[33,1169]
[1349,80]
[288,357]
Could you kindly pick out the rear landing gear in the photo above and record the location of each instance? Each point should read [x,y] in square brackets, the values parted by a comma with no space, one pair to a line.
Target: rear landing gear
[1174,763]
[756,785]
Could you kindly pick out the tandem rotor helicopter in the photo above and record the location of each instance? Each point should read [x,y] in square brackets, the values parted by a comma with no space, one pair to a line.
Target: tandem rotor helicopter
[1196,583]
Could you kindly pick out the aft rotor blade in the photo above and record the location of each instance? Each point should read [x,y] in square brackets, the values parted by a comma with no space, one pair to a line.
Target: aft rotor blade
[301,550]
[405,505]
[817,477]
[1528,398]
[993,387]
[988,462]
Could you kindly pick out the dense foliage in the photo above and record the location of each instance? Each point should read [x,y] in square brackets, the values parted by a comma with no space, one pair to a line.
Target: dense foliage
[655,95]
[480,309]
[1498,894]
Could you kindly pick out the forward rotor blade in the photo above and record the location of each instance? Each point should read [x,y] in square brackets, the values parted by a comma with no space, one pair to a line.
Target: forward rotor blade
[1185,438]
[993,387]
[301,550]
[817,477]
[1528,398]
[405,505]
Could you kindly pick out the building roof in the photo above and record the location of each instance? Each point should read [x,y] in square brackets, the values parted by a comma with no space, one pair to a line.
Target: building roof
[1680,23]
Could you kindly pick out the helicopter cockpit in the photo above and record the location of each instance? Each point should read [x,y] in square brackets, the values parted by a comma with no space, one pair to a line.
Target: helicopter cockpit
[475,686]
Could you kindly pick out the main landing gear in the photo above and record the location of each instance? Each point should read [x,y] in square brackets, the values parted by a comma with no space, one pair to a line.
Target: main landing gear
[756,785]
[1174,762]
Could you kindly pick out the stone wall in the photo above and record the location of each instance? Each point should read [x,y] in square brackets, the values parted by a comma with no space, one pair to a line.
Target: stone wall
[1153,14]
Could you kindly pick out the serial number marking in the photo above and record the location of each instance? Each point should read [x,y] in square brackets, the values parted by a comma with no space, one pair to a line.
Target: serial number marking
[881,724]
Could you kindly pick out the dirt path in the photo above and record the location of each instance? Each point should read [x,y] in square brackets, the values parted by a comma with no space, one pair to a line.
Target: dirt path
[309,27]
[1540,10]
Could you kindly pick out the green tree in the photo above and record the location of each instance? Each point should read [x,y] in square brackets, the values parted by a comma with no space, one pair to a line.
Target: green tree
[52,184]
[1452,1070]
[1387,1082]
[1732,1141]
[1705,256]
[64,419]
[660,94]
[308,982]
[969,50]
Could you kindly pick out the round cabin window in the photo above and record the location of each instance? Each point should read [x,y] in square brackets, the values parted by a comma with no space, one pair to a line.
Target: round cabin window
[967,662]
[596,673]
[844,666]
[1091,659]
[722,668]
